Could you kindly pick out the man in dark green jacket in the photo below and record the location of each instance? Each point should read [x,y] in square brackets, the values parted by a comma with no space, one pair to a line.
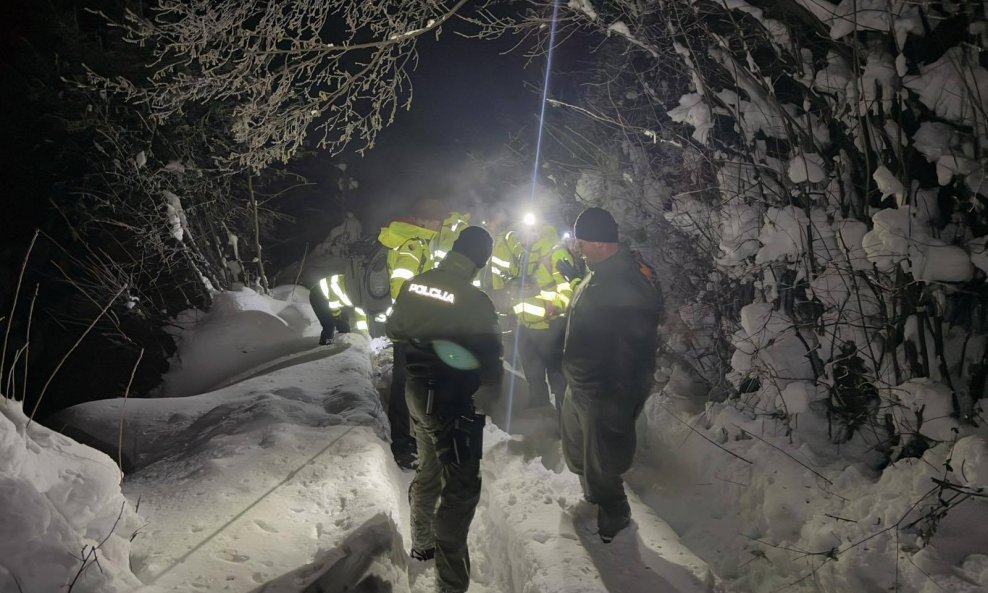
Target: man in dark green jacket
[608,360]
[453,369]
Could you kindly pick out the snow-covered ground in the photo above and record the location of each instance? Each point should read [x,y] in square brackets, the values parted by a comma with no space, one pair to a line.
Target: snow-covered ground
[280,479]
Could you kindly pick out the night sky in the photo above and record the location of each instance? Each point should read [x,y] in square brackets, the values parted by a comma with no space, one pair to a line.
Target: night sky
[471,100]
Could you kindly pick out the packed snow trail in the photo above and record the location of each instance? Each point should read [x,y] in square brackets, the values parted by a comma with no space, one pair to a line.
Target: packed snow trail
[282,481]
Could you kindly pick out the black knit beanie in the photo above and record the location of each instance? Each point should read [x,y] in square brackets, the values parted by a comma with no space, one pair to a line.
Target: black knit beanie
[596,225]
[475,243]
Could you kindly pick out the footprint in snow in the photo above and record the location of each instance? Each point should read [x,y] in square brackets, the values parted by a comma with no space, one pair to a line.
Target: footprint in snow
[265,526]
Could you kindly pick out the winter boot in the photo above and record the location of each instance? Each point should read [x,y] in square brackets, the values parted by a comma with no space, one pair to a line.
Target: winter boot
[326,337]
[423,555]
[612,520]
[407,458]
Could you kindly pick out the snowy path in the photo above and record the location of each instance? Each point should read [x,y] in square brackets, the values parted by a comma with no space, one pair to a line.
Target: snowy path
[281,482]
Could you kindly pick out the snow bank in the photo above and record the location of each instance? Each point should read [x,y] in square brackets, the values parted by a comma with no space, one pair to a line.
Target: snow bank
[63,519]
[926,408]
[257,482]
[241,330]
[779,512]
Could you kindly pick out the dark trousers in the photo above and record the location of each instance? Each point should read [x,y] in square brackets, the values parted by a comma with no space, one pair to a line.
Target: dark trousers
[330,323]
[598,434]
[444,493]
[401,431]
[541,352]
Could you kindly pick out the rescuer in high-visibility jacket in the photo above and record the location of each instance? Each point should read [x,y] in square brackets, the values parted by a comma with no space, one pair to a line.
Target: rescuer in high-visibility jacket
[442,243]
[335,310]
[540,295]
[411,245]
[453,344]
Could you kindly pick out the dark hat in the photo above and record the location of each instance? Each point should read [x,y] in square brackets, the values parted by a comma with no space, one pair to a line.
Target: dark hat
[596,225]
[475,243]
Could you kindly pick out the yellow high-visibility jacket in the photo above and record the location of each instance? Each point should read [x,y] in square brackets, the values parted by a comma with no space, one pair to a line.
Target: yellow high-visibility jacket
[546,294]
[442,242]
[410,253]
[506,245]
[334,289]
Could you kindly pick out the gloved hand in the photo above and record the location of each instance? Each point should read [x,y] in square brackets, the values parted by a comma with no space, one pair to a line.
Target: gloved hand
[568,270]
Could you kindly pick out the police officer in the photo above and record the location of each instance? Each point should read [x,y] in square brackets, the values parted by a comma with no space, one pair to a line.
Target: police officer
[453,351]
[608,360]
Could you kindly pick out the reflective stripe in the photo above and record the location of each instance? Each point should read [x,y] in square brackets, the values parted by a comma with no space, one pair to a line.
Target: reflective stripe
[362,325]
[324,286]
[500,262]
[564,287]
[476,283]
[564,300]
[498,272]
[360,311]
[380,317]
[529,309]
[335,305]
[402,273]
[388,312]
[440,254]
[334,283]
[547,295]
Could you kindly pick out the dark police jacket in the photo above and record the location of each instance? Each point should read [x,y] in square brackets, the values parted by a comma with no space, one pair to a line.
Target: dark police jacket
[611,334]
[442,304]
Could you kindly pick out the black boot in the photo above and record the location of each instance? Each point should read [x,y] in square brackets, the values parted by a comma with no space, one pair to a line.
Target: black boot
[423,555]
[612,520]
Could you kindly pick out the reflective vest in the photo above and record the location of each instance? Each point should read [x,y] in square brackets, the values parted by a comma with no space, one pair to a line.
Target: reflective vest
[450,230]
[409,254]
[502,266]
[546,294]
[334,289]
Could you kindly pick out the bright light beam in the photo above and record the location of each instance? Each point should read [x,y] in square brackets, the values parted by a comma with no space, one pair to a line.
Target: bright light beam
[531,201]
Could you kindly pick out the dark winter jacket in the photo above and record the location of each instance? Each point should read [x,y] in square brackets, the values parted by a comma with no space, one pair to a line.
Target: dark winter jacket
[611,335]
[442,304]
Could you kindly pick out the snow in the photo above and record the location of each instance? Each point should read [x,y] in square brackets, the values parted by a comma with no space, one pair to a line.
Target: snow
[739,226]
[694,111]
[807,167]
[282,479]
[889,184]
[926,408]
[63,518]
[788,232]
[178,225]
[954,87]
[583,6]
